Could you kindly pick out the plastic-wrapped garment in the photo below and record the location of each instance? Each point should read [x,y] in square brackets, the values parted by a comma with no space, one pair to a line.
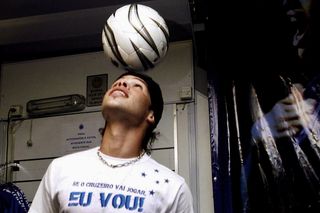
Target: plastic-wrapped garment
[272,167]
[292,185]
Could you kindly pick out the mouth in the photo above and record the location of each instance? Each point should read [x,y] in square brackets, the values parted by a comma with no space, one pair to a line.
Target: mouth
[118,92]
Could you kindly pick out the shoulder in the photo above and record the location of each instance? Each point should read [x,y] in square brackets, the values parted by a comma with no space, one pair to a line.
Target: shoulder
[170,186]
[162,171]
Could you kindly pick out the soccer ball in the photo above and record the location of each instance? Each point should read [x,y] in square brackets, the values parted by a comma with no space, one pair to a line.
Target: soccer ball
[135,37]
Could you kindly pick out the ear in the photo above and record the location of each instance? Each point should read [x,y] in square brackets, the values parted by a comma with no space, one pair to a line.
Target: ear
[150,117]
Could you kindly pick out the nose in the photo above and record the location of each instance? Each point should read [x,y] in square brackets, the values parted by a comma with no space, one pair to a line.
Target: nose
[123,83]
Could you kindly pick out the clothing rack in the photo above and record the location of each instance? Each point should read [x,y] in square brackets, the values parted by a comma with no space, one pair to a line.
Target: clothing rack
[13,165]
[5,167]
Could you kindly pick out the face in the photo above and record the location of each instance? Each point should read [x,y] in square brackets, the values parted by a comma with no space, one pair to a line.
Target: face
[128,99]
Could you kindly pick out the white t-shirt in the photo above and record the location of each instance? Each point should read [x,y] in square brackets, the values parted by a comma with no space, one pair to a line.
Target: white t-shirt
[81,182]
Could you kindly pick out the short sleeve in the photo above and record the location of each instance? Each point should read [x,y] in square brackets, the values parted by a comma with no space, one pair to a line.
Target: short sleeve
[45,199]
[183,202]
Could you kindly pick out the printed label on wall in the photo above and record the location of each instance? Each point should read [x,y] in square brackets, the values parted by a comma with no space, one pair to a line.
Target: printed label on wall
[96,87]
[81,136]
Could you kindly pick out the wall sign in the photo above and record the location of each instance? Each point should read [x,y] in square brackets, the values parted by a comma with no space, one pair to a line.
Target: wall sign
[80,136]
[97,85]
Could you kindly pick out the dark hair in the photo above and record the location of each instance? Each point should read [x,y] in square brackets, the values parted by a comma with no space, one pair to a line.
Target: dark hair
[156,106]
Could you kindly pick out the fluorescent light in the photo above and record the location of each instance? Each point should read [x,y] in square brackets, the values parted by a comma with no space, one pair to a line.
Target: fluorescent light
[54,105]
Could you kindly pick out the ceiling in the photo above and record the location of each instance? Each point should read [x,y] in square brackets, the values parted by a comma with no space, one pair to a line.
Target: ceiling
[42,28]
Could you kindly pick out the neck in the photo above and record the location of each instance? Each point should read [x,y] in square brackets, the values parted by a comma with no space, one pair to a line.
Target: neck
[121,141]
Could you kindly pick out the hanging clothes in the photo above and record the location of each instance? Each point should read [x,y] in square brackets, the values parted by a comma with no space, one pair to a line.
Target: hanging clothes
[265,127]
[12,199]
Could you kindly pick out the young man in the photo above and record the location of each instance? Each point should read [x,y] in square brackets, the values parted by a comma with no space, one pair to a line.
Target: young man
[118,176]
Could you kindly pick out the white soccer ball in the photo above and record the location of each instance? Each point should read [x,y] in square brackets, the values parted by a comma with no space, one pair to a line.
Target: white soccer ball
[135,37]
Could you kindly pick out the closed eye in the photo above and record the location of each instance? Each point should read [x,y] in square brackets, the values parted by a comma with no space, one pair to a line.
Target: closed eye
[138,85]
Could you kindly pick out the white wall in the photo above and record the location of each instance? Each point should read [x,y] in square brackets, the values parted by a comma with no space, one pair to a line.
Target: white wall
[65,75]
[184,145]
